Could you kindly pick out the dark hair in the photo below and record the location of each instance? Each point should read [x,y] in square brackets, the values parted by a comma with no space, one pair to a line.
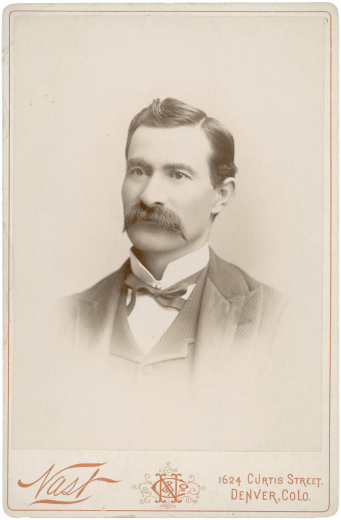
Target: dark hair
[171,113]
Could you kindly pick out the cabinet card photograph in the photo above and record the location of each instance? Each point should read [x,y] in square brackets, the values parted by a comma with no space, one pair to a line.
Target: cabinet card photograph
[171,267]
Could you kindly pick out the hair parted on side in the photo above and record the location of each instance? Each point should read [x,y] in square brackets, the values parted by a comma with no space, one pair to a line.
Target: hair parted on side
[171,113]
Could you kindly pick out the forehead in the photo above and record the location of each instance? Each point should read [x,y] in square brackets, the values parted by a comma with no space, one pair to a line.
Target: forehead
[183,144]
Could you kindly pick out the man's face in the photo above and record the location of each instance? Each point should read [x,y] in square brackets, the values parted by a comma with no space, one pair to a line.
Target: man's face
[168,173]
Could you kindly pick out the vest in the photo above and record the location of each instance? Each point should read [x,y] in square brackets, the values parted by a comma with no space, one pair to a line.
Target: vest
[175,346]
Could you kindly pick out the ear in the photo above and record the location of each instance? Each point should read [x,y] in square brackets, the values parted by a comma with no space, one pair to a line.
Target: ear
[224,194]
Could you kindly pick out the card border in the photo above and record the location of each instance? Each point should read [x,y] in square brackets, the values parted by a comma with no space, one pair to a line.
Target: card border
[76,11]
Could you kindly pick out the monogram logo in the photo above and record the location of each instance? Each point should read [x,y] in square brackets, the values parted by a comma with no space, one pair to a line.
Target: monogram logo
[169,489]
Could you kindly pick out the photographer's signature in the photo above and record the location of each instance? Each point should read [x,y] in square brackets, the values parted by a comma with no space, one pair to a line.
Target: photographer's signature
[68,482]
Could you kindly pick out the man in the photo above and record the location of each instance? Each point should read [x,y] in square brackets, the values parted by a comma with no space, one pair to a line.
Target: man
[174,297]
[179,342]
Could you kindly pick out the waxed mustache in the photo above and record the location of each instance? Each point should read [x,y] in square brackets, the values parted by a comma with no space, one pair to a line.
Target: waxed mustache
[163,217]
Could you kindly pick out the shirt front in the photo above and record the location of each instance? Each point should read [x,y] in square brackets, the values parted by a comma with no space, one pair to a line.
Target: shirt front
[149,320]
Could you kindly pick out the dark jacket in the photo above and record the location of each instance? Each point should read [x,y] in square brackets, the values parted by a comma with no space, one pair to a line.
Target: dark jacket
[236,313]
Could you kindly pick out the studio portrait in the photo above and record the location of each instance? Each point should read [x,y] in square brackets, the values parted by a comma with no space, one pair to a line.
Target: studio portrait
[171,249]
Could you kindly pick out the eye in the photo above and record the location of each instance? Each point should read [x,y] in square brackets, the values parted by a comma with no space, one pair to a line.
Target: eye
[178,175]
[136,171]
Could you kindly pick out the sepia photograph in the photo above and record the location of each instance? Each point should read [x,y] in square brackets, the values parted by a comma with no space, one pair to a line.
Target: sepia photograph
[169,223]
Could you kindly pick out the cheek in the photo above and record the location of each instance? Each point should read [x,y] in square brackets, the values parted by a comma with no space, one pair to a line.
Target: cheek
[128,192]
[197,210]
[201,202]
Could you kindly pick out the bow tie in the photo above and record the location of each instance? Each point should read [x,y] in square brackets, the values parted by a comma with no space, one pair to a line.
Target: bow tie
[170,297]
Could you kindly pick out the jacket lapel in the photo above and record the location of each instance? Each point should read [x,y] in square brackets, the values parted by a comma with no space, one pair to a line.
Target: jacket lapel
[229,316]
[249,320]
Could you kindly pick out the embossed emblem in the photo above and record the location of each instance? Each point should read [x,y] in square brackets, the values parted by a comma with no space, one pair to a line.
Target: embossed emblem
[169,488]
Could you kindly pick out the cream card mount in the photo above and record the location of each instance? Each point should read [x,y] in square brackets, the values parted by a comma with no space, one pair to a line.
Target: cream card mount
[186,366]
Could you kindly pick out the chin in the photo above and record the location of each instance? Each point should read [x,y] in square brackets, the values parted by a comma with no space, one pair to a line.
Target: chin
[154,239]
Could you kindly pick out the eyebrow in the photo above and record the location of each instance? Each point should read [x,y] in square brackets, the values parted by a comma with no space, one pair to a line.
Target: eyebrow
[179,166]
[138,161]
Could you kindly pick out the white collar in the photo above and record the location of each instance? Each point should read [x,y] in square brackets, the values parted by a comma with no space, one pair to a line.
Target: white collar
[175,271]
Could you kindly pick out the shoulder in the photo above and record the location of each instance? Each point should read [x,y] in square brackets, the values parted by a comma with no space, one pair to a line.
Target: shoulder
[261,304]
[232,281]
[102,289]
[93,300]
[271,296]
[86,311]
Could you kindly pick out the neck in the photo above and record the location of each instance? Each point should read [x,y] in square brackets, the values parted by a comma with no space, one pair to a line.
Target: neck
[156,261]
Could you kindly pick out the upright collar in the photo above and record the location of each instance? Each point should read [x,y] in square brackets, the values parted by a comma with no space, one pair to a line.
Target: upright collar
[175,271]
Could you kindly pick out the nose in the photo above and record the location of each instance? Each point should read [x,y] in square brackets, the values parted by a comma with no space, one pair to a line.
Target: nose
[154,191]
